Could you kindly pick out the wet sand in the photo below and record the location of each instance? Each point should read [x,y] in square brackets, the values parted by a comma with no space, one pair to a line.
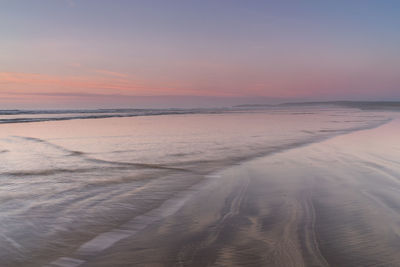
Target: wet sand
[333,203]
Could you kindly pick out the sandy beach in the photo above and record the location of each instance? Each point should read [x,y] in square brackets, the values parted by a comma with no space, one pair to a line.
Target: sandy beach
[332,203]
[199,133]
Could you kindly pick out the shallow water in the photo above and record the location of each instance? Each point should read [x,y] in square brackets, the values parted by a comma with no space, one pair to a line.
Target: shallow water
[64,182]
[331,203]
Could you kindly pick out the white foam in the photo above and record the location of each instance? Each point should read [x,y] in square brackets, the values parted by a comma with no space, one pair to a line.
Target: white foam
[66,262]
[104,241]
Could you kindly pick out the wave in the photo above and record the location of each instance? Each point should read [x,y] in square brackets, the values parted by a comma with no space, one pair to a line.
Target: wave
[24,116]
[45,172]
[183,164]
[85,111]
[84,156]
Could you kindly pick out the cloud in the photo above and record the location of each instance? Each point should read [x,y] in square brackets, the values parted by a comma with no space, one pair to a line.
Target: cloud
[112,83]
[110,73]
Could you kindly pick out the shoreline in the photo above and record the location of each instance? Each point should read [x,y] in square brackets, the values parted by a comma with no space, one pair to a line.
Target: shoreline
[201,227]
[104,174]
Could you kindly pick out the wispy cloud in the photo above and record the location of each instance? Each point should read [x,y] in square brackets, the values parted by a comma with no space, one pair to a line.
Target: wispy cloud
[110,73]
[107,83]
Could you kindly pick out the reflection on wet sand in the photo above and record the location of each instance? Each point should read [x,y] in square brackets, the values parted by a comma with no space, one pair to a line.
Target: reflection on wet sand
[334,203]
[169,190]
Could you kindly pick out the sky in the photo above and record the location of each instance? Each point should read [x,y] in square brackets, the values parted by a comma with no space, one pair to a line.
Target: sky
[169,53]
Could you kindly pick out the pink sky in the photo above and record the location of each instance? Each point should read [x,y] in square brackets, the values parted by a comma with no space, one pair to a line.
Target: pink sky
[134,55]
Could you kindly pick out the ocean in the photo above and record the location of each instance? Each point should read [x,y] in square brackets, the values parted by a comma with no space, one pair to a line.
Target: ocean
[67,176]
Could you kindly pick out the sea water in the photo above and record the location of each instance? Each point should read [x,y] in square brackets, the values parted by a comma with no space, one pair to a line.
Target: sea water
[66,176]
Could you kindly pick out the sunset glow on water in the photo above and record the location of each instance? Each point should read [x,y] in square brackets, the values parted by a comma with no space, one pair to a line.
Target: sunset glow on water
[199,133]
